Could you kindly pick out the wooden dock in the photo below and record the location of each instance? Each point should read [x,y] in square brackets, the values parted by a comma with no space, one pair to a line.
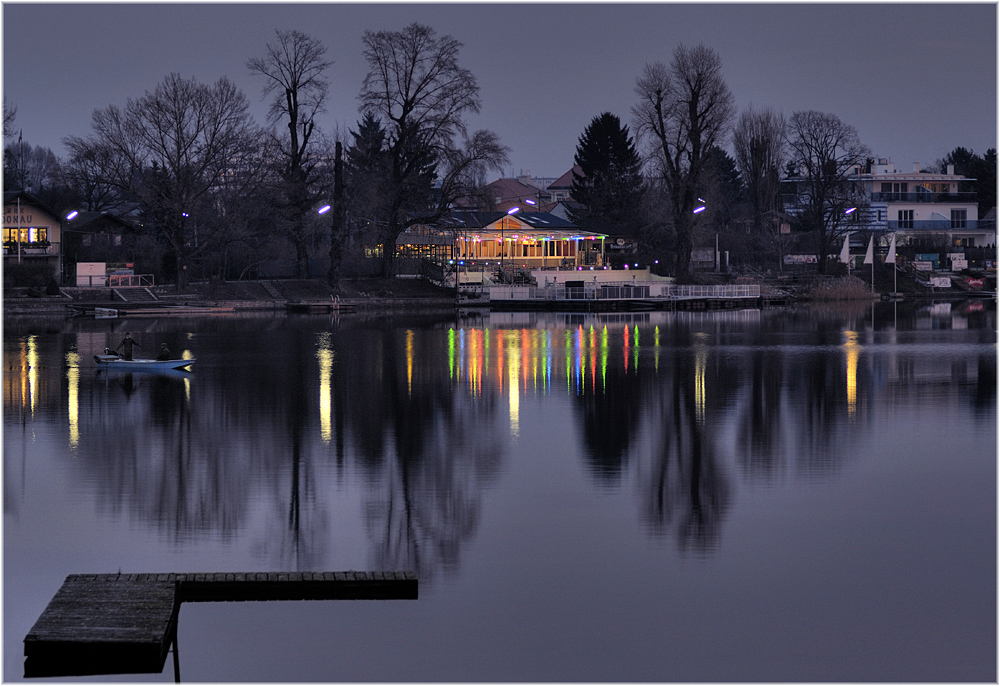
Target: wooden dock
[125,623]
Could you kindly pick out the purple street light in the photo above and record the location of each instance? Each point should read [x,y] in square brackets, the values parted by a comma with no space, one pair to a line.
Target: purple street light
[323,210]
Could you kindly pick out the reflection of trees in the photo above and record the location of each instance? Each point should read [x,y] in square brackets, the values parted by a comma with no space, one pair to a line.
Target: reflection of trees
[760,425]
[295,534]
[610,418]
[428,448]
[986,383]
[684,489]
[137,448]
[237,447]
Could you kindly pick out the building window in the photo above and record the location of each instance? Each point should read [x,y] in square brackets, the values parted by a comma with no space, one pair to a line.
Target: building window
[936,187]
[894,189]
[905,219]
[958,219]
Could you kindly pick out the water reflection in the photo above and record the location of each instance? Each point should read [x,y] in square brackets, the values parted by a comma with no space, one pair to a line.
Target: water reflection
[272,434]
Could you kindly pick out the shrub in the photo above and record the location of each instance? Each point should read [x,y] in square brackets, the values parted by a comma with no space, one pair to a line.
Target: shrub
[30,274]
[842,288]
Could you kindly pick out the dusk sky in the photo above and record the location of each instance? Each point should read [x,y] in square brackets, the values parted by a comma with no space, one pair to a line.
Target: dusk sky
[915,80]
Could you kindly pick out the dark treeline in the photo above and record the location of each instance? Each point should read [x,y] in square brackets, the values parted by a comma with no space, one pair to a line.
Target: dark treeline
[220,194]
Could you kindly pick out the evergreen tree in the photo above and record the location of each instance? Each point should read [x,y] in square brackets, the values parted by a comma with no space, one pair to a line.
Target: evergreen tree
[982,169]
[724,191]
[366,179]
[611,186]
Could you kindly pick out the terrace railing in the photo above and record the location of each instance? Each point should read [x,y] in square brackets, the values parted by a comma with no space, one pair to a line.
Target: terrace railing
[624,291]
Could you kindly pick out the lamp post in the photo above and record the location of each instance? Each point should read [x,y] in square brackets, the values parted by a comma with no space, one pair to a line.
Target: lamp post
[510,212]
[715,257]
[62,245]
[845,252]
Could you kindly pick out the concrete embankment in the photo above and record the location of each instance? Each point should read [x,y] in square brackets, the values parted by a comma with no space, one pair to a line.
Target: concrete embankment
[49,305]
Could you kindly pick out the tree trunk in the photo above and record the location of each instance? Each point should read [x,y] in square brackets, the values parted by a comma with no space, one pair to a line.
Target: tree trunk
[182,259]
[182,275]
[302,257]
[337,228]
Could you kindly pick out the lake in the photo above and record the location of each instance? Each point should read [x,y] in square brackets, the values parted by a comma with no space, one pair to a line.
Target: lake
[777,495]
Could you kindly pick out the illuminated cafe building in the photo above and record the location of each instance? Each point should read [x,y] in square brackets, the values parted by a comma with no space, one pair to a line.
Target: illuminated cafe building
[534,240]
[32,233]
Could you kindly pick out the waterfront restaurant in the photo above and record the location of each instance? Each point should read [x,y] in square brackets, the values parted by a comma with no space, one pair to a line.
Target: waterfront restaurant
[535,240]
[31,233]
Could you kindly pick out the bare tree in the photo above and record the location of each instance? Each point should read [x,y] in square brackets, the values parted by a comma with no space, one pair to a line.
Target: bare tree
[240,205]
[293,70]
[683,111]
[416,88]
[827,153]
[9,113]
[169,149]
[84,175]
[34,169]
[759,146]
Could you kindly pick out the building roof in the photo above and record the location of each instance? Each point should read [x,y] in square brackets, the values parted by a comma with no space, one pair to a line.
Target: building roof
[504,194]
[10,197]
[566,180]
[535,225]
[471,219]
[95,222]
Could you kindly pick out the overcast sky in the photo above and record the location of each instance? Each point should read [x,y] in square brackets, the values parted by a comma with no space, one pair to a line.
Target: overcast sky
[915,80]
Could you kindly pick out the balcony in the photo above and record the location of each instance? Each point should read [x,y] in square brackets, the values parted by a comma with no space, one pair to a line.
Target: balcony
[928,197]
[30,249]
[942,225]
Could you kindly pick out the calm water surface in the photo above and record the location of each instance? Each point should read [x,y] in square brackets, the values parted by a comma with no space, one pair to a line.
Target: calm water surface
[733,496]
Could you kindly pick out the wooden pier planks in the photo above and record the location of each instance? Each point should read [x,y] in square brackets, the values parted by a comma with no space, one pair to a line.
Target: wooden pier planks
[227,587]
[124,623]
[103,624]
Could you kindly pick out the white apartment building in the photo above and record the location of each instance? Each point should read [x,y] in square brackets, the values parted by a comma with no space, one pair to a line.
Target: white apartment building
[921,208]
[917,205]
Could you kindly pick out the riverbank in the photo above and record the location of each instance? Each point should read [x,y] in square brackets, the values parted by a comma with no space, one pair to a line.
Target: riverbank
[354,294]
[371,295]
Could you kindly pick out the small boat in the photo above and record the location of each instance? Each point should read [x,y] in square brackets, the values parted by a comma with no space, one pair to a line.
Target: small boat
[112,360]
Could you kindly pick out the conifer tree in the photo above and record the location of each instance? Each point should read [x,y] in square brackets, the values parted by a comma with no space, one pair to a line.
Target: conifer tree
[610,189]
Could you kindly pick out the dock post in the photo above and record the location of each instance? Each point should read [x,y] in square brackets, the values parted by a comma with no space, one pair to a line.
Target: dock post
[177,661]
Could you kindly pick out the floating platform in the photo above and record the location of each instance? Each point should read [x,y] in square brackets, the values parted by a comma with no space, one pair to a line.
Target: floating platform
[157,311]
[125,623]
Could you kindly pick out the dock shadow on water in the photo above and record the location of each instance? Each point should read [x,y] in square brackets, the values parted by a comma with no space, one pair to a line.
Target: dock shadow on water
[810,477]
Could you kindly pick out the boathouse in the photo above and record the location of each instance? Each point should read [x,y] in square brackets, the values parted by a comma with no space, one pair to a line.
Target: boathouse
[32,234]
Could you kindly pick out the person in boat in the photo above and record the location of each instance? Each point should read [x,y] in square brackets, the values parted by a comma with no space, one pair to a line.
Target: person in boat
[164,353]
[127,344]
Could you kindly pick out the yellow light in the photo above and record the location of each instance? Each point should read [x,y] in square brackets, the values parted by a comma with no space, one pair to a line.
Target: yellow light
[700,357]
[513,387]
[852,350]
[409,362]
[73,398]
[325,355]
